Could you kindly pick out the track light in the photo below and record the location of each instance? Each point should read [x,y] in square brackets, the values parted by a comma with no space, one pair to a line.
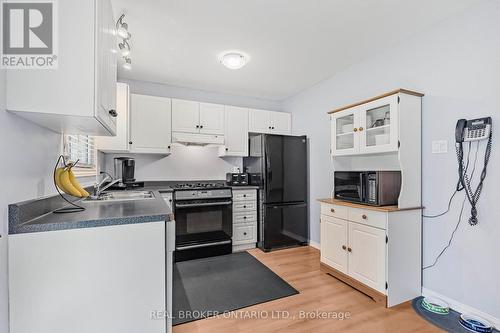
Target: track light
[122,28]
[128,64]
[124,48]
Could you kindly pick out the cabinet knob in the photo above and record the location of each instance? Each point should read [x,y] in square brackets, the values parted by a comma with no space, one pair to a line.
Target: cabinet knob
[244,217]
[272,127]
[227,149]
[168,147]
[113,113]
[332,210]
[197,126]
[201,126]
[364,217]
[344,247]
[245,206]
[349,249]
[355,130]
[244,195]
[130,142]
[244,233]
[361,129]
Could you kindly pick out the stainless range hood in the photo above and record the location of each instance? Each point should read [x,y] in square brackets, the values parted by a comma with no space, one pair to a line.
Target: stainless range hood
[197,139]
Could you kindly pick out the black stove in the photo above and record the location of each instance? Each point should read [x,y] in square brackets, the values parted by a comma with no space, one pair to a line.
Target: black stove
[199,185]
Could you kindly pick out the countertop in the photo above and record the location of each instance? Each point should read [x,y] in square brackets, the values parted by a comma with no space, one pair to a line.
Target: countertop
[97,214]
[386,209]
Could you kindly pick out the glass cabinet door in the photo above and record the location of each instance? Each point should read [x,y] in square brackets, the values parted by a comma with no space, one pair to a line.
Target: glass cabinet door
[345,139]
[378,126]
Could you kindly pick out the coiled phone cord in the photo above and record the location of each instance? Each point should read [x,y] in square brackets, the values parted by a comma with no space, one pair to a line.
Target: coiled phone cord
[465,180]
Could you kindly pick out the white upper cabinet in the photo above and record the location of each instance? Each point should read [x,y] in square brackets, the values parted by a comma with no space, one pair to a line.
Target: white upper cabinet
[79,96]
[185,116]
[120,142]
[259,121]
[197,118]
[281,123]
[211,118]
[270,122]
[236,132]
[368,128]
[150,126]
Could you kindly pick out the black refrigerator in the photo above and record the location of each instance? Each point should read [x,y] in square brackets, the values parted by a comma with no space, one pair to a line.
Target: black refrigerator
[278,165]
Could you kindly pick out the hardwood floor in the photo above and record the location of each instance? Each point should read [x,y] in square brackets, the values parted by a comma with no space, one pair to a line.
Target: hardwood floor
[318,292]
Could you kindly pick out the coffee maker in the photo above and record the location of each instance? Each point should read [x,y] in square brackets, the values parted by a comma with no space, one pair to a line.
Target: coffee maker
[125,170]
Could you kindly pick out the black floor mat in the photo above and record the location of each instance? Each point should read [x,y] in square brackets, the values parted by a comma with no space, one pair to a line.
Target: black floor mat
[210,286]
[447,322]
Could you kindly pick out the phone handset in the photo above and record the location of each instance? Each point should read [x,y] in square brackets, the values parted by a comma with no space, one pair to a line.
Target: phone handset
[459,130]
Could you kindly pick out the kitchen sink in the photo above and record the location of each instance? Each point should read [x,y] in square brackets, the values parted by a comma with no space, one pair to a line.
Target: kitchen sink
[122,196]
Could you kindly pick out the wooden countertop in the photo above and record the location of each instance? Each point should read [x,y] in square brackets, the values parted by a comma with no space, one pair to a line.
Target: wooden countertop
[386,209]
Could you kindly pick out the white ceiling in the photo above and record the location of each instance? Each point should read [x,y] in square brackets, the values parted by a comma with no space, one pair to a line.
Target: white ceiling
[293,44]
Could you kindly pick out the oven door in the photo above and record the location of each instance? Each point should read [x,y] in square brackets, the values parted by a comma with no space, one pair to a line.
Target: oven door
[349,186]
[203,223]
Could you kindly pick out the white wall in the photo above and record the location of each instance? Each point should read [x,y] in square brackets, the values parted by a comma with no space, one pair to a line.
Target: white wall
[457,66]
[185,163]
[28,152]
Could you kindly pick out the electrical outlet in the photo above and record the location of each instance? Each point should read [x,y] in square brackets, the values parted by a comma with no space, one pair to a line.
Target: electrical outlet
[440,146]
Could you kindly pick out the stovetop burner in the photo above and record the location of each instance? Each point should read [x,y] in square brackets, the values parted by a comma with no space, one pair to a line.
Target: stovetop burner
[200,185]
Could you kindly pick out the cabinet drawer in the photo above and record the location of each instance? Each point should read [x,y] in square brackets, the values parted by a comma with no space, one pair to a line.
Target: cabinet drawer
[368,217]
[244,195]
[244,206]
[244,233]
[244,217]
[334,210]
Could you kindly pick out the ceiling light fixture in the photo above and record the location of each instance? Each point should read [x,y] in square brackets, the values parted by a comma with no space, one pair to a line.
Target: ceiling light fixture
[128,64]
[233,59]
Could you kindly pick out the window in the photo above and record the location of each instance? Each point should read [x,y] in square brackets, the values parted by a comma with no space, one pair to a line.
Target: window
[81,148]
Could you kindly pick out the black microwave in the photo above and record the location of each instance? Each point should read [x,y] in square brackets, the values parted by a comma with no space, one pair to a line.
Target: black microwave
[378,188]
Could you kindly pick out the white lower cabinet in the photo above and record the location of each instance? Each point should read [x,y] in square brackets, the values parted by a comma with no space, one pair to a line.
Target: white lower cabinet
[104,279]
[244,219]
[334,237]
[367,255]
[379,250]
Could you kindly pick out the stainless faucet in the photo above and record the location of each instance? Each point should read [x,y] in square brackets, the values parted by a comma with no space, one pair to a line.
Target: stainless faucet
[99,188]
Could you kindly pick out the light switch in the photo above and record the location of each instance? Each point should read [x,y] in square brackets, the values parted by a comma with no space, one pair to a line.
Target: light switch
[440,146]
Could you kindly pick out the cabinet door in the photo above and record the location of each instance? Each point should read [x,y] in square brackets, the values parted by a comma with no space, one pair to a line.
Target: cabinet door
[334,243]
[150,124]
[281,123]
[345,138]
[259,121]
[185,116]
[236,132]
[105,65]
[118,143]
[378,126]
[367,255]
[211,118]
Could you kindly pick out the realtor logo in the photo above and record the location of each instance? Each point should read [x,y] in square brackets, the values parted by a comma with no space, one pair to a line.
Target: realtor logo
[28,35]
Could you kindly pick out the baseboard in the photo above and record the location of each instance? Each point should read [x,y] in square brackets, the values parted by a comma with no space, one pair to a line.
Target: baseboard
[314,244]
[462,308]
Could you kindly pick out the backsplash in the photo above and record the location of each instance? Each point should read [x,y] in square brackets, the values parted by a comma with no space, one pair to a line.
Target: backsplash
[185,163]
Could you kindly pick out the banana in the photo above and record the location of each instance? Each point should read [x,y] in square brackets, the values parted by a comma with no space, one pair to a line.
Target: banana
[76,184]
[57,178]
[66,184]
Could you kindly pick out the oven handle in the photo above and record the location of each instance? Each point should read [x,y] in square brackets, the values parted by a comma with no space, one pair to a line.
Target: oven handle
[205,204]
[188,247]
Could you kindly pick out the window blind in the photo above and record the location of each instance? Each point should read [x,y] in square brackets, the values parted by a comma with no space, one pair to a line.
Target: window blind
[81,148]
